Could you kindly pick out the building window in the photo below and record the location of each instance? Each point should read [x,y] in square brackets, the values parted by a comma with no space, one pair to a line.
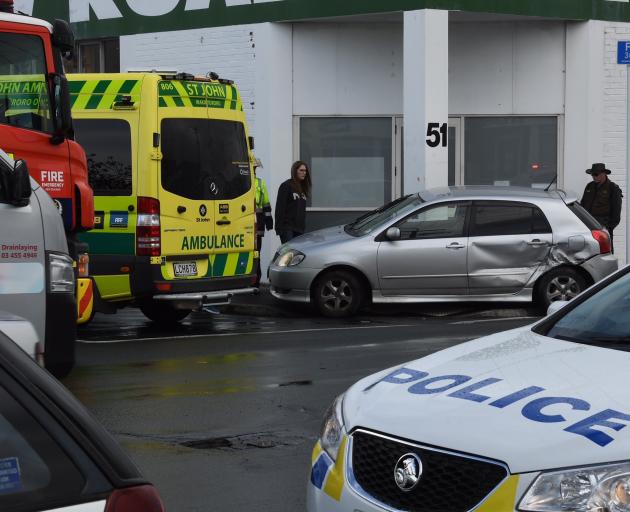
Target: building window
[510,151]
[97,56]
[351,166]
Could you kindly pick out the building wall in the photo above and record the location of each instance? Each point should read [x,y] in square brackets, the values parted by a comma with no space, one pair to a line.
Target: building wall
[229,51]
[347,69]
[614,137]
[506,68]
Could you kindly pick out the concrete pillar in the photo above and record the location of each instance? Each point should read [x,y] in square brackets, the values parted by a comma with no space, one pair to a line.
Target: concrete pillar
[425,98]
[584,110]
[274,115]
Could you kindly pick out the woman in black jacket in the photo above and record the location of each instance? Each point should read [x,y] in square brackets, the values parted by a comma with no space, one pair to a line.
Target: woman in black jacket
[291,202]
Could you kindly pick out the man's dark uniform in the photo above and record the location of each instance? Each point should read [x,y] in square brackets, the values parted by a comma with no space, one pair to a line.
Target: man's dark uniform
[603,200]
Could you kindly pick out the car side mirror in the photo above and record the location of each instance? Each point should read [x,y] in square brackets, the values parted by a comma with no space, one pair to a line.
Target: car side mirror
[63,38]
[61,108]
[19,184]
[392,234]
[251,142]
[556,306]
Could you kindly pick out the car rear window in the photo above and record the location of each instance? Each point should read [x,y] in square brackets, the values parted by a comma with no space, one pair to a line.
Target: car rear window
[494,218]
[34,470]
[587,219]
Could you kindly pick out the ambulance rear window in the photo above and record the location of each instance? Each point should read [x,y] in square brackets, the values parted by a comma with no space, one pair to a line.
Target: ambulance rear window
[107,145]
[204,158]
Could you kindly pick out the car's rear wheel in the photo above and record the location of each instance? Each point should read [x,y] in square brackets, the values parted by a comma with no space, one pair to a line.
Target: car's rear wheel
[562,283]
[162,312]
[338,293]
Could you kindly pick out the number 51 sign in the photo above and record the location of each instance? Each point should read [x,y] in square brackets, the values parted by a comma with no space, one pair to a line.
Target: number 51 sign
[437,134]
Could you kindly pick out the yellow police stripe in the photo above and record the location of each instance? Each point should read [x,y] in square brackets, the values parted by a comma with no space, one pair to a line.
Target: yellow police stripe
[503,499]
[334,481]
[317,450]
[85,95]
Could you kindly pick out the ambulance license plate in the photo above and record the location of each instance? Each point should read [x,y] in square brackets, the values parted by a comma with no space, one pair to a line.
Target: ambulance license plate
[185,269]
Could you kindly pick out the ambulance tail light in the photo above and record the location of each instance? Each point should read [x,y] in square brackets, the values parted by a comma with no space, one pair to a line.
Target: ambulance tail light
[148,236]
[141,498]
[83,265]
[603,238]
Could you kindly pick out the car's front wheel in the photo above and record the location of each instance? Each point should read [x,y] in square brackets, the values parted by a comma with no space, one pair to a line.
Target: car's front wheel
[162,312]
[338,293]
[562,283]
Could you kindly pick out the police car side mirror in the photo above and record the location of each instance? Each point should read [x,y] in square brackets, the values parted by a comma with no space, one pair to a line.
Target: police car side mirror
[556,306]
[392,234]
[19,184]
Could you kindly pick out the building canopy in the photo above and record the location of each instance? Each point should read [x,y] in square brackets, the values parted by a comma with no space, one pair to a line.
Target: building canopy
[106,18]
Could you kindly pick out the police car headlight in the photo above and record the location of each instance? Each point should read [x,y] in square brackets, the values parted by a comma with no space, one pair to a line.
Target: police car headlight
[332,429]
[61,273]
[290,258]
[594,489]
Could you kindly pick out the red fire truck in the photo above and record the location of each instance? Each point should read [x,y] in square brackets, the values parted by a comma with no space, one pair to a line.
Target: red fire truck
[36,125]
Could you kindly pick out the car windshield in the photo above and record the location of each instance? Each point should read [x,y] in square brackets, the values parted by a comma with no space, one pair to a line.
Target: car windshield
[371,220]
[600,320]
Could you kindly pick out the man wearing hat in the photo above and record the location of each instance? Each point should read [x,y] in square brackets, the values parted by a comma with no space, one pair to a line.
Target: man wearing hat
[263,212]
[602,198]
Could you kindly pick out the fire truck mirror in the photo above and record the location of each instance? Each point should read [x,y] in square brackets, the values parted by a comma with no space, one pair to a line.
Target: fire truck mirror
[63,38]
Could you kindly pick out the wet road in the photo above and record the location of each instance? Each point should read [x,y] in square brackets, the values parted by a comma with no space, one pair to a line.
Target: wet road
[222,412]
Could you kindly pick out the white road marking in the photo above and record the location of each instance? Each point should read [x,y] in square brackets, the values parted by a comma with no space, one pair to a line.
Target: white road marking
[247,333]
[462,322]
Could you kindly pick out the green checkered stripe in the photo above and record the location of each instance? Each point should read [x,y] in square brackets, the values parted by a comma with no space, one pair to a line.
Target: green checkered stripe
[101,94]
[176,93]
[231,264]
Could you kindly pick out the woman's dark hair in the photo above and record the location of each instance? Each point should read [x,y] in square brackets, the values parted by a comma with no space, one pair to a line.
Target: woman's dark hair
[298,185]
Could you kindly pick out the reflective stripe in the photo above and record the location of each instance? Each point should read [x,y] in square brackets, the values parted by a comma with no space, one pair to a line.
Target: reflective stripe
[101,94]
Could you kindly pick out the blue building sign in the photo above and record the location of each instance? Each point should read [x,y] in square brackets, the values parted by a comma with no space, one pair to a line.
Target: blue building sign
[623,52]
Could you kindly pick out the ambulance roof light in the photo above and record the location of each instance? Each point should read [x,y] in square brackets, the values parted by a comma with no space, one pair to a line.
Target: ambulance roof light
[163,72]
[6,6]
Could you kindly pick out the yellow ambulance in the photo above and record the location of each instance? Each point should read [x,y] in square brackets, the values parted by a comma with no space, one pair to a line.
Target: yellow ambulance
[170,163]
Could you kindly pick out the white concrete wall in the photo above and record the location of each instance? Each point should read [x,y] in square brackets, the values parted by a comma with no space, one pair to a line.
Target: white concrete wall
[229,51]
[506,68]
[614,136]
[347,69]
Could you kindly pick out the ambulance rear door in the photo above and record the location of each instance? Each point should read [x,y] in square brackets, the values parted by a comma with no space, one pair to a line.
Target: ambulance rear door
[185,189]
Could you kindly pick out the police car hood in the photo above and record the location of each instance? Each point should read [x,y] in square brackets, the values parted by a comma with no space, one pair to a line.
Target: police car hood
[529,401]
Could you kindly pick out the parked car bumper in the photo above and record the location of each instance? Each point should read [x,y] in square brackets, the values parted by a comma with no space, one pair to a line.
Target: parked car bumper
[601,265]
[292,283]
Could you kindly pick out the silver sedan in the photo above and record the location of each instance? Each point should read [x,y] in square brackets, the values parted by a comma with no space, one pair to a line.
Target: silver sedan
[454,244]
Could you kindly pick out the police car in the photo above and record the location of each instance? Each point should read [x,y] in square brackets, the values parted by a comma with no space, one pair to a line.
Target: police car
[532,419]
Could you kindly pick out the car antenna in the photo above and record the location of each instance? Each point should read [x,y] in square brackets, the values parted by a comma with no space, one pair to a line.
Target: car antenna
[552,182]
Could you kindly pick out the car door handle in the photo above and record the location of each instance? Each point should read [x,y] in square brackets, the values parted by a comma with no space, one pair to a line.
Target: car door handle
[536,242]
[455,245]
[223,222]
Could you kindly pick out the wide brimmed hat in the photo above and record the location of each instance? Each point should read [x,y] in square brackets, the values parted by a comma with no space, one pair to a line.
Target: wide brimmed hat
[598,169]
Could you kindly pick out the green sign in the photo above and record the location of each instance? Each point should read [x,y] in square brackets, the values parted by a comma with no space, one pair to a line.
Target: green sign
[106,18]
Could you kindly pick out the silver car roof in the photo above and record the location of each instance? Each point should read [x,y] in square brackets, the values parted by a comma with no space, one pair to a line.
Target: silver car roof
[491,192]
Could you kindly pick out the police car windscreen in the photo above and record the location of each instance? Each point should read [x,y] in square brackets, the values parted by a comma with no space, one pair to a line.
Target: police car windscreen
[204,158]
